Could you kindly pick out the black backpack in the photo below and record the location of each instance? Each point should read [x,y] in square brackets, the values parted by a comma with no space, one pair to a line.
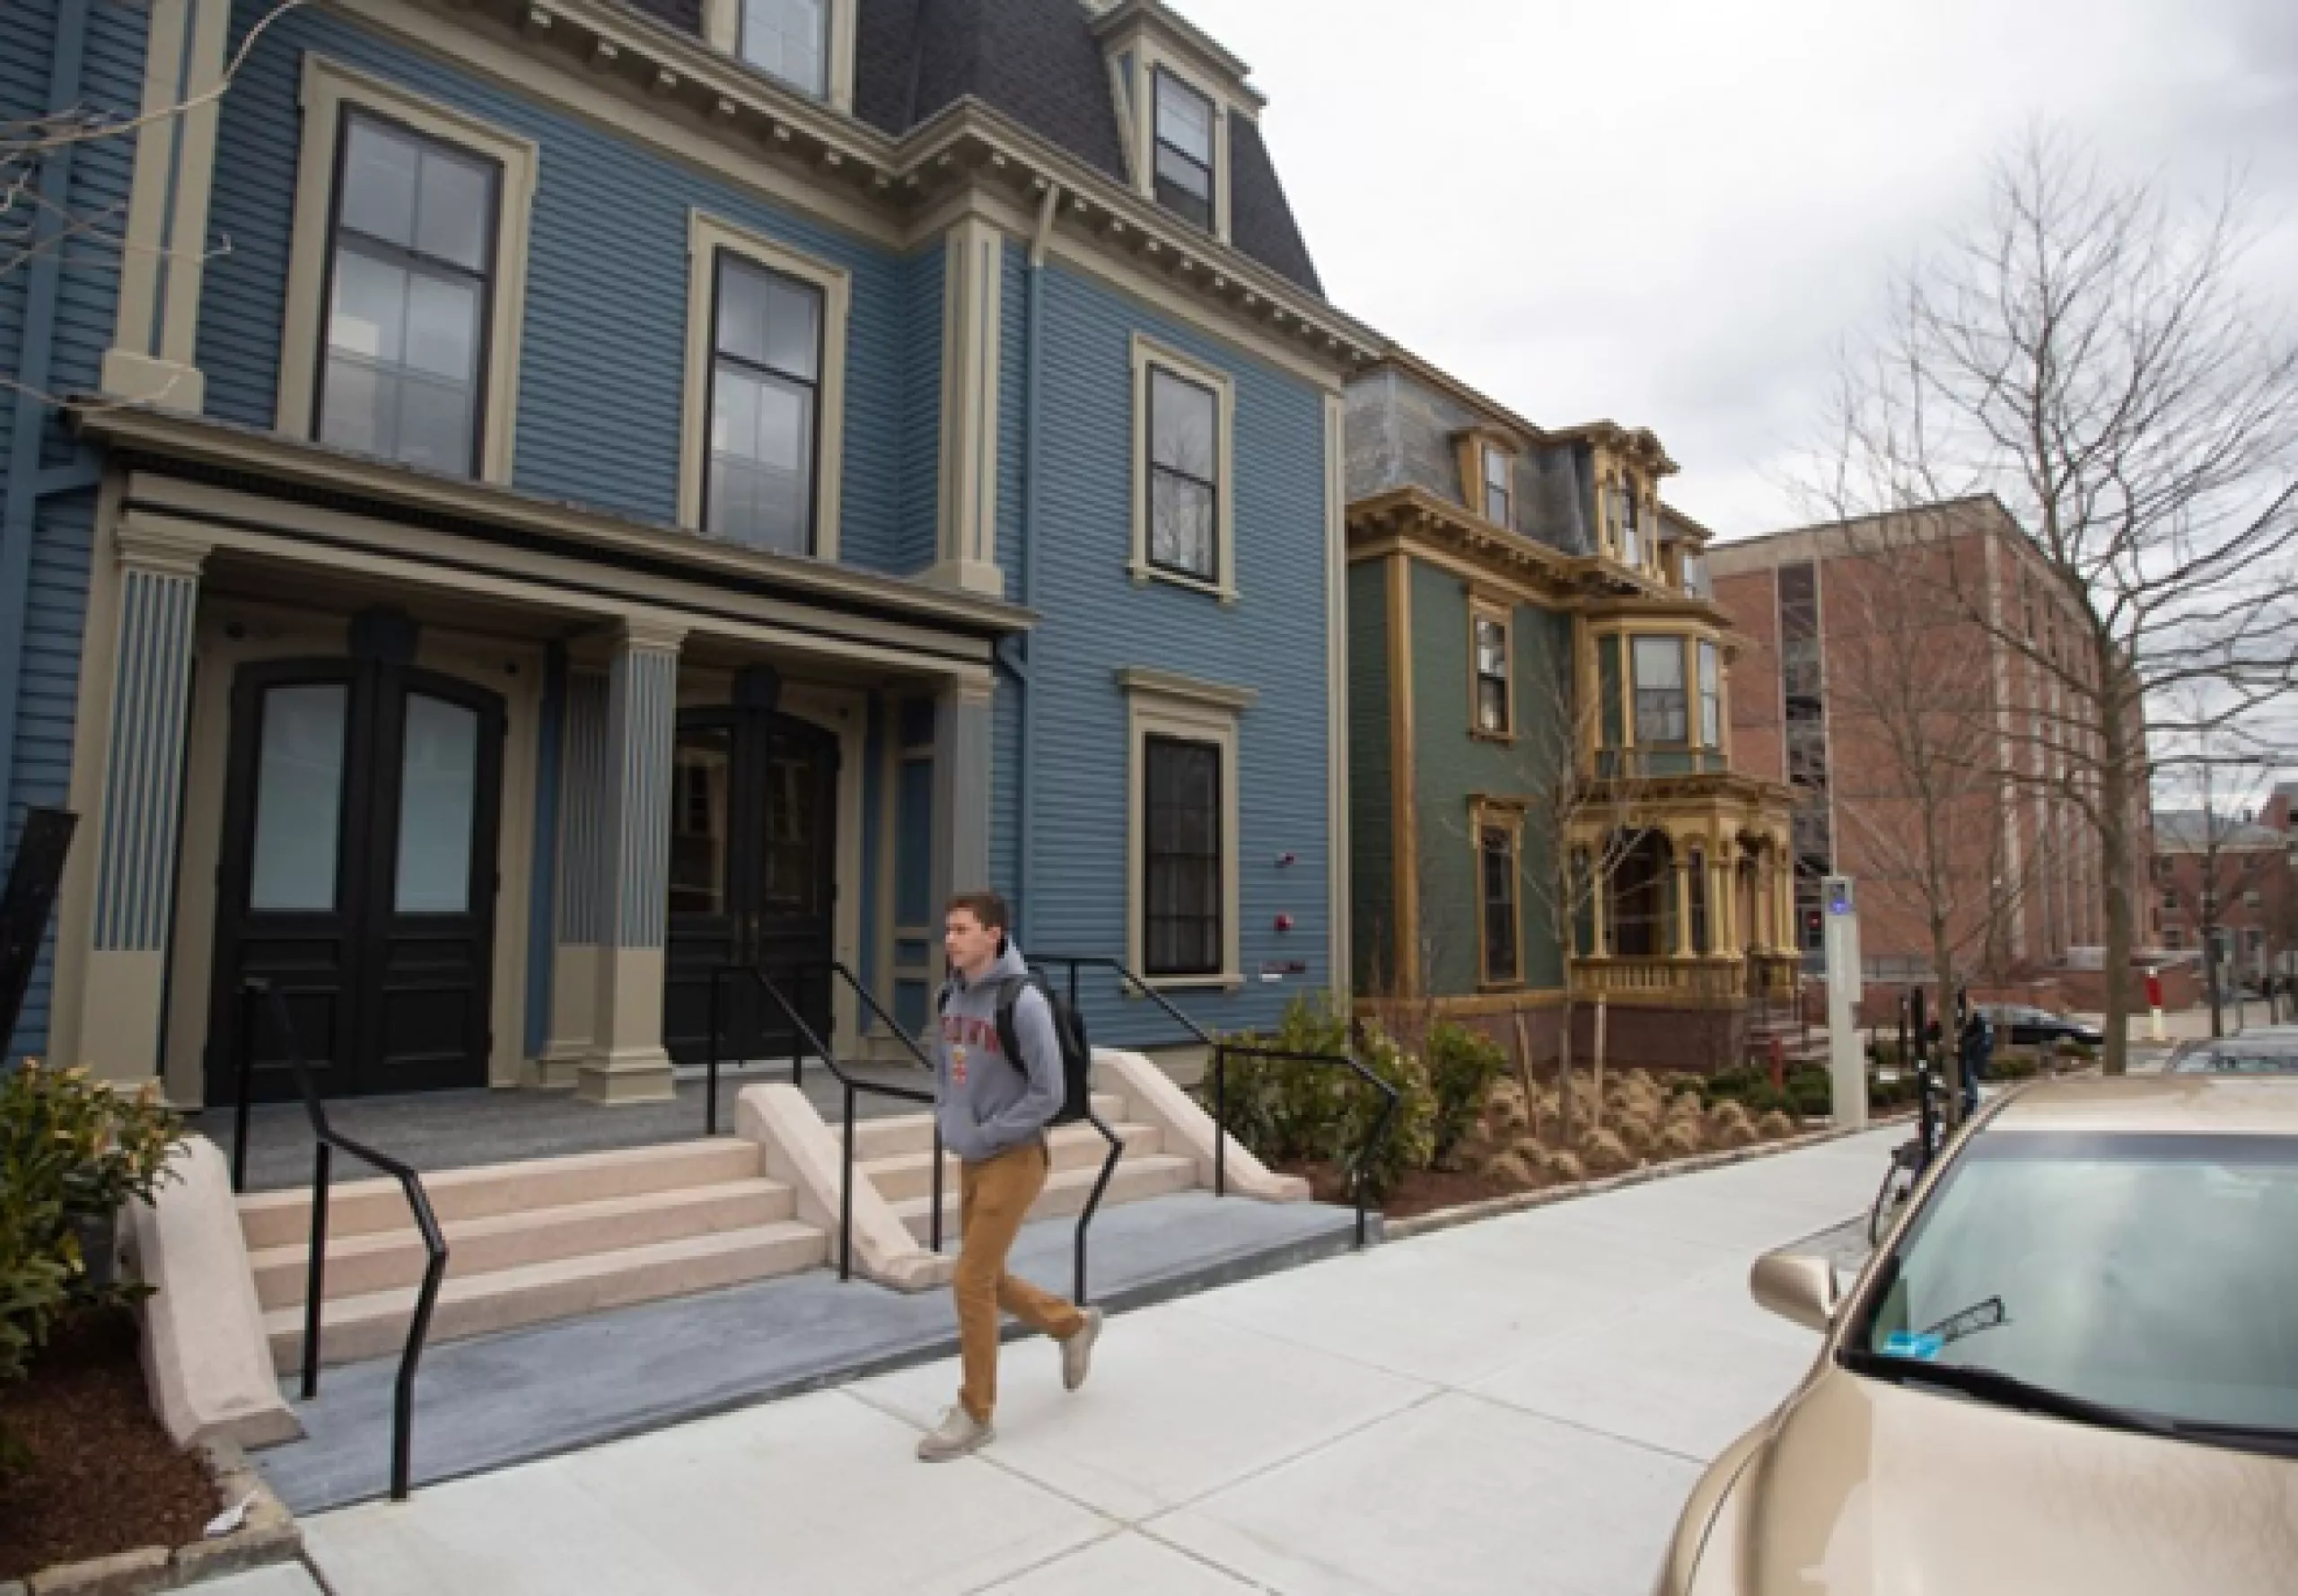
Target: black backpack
[1069,1025]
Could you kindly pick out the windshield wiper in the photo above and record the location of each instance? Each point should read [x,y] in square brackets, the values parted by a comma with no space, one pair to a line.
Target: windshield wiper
[2006,1391]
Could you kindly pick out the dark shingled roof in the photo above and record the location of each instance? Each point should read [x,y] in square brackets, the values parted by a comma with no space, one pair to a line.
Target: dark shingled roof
[1038,62]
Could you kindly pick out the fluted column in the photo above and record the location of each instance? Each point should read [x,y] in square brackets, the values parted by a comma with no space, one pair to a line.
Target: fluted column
[137,833]
[1680,864]
[626,1061]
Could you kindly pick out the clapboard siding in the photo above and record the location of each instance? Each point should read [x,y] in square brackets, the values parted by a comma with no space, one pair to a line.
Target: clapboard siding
[1372,870]
[600,395]
[1096,621]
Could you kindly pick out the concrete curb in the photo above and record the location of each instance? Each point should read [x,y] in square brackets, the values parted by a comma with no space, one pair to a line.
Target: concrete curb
[269,1535]
[1445,1219]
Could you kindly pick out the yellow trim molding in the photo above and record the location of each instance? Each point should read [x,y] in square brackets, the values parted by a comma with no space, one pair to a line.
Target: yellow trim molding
[329,86]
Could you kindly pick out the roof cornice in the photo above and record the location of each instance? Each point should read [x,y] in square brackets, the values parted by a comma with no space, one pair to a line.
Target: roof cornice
[600,45]
[1124,22]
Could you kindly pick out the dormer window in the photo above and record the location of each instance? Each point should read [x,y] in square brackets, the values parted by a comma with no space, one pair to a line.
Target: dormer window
[1185,149]
[1631,529]
[1499,502]
[789,38]
[1696,581]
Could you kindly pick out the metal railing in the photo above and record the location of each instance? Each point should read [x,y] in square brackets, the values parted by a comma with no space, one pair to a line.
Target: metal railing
[802,1035]
[256,994]
[1221,1051]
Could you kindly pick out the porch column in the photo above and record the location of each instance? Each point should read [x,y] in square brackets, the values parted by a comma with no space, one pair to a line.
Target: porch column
[1723,896]
[581,928]
[1679,867]
[1783,903]
[962,754]
[626,1061]
[136,834]
[1600,890]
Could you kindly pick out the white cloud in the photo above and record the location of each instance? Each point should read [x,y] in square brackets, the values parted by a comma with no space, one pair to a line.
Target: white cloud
[1670,212]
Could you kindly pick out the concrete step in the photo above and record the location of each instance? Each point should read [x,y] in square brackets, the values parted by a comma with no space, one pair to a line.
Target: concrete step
[905,1175]
[374,1325]
[362,1207]
[875,1139]
[379,1260]
[1152,1175]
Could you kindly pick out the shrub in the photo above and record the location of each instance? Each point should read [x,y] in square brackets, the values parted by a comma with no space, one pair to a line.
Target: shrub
[1884,1049]
[72,1150]
[1462,1066]
[1772,1128]
[2014,1066]
[1291,1113]
[1810,1093]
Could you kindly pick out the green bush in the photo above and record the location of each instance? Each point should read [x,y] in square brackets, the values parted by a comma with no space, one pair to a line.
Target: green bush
[1292,1112]
[1462,1066]
[2082,1052]
[1810,1093]
[1884,1049]
[72,1150]
[2014,1066]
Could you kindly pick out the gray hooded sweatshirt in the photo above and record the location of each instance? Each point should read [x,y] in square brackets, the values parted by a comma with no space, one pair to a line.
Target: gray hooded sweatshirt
[987,1103]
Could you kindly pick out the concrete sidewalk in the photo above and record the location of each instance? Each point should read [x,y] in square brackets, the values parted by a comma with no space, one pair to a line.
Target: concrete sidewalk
[1520,1405]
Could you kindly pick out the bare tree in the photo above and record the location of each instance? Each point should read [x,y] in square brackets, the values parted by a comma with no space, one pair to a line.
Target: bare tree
[1917,770]
[2089,355]
[2228,779]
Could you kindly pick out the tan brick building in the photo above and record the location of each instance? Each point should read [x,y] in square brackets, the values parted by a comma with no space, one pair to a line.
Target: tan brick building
[1920,744]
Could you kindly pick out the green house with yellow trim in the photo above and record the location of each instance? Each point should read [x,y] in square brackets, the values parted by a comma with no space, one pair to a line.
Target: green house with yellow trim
[1538,666]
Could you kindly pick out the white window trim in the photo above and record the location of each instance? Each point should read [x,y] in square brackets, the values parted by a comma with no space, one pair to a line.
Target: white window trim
[1147,354]
[1482,609]
[1149,60]
[707,236]
[329,86]
[1161,704]
[1487,454]
[722,28]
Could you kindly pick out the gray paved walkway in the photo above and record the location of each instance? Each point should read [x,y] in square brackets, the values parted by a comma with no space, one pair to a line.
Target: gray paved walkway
[1518,1405]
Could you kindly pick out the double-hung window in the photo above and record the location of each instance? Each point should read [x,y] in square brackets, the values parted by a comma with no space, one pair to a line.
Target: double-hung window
[1631,531]
[410,286]
[1496,882]
[1183,896]
[1661,710]
[1184,485]
[765,407]
[790,40]
[1711,696]
[1185,152]
[1491,647]
[1498,501]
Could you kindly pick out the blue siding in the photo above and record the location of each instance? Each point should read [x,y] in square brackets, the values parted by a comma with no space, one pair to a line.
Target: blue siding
[45,712]
[598,394]
[1097,621]
[873,839]
[1013,461]
[919,469]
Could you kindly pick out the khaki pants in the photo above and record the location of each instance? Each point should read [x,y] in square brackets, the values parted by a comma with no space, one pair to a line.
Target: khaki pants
[994,1199]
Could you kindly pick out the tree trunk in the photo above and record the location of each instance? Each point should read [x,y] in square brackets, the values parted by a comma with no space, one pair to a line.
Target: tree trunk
[1563,1074]
[2114,797]
[1530,1080]
[1596,1106]
[1950,1071]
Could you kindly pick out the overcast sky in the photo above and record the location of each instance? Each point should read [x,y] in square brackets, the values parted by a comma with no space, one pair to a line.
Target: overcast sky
[1668,213]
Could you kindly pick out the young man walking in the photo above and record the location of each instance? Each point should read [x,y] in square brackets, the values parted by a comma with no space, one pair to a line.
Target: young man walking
[993,1111]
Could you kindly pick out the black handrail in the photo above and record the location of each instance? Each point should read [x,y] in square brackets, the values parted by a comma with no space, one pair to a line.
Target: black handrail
[802,1034]
[434,1242]
[916,1051]
[1220,1050]
[1359,1166]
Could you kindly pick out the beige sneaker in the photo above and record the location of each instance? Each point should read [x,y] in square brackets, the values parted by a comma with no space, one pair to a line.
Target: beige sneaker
[958,1433]
[1077,1352]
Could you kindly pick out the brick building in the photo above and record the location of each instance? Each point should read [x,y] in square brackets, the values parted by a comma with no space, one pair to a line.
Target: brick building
[2232,880]
[1919,744]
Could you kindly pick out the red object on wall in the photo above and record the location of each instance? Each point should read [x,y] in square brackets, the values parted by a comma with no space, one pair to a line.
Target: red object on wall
[2154,990]
[1285,922]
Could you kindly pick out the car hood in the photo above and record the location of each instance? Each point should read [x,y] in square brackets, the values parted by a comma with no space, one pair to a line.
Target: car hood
[1872,1489]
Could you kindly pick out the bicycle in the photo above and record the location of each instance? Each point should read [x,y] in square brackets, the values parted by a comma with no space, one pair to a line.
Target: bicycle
[1911,1157]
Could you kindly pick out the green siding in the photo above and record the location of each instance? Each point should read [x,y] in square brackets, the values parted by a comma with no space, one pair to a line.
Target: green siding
[1372,864]
[1452,765]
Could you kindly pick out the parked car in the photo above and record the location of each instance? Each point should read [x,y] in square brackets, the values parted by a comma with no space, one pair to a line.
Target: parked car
[2069,1368]
[2016,1025]
[2266,1051]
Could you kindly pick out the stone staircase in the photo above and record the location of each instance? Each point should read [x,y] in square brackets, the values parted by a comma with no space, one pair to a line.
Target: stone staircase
[897,1156]
[527,1242]
[557,1238]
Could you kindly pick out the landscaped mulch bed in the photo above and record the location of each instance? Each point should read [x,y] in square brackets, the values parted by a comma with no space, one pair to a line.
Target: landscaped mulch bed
[1423,1191]
[104,1477]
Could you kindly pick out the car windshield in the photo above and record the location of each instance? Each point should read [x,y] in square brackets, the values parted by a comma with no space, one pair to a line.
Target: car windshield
[2152,1273]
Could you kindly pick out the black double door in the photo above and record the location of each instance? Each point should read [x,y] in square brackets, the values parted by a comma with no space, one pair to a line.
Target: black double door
[753,881]
[358,876]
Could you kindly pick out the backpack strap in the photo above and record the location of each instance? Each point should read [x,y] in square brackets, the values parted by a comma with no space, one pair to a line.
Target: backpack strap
[1009,1036]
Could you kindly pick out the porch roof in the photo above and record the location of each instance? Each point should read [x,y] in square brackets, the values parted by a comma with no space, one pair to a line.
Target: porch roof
[226,454]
